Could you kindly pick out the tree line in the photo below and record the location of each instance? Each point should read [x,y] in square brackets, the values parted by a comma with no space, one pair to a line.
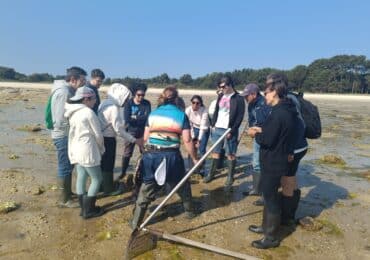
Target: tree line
[338,74]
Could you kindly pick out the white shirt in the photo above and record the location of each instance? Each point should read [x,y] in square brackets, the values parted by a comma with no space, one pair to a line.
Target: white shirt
[223,116]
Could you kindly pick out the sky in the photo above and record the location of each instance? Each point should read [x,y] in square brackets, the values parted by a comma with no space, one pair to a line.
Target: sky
[144,39]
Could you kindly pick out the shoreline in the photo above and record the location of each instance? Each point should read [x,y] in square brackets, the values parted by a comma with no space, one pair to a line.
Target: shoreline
[339,97]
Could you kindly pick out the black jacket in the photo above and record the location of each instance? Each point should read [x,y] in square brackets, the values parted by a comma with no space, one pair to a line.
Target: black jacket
[136,116]
[237,109]
[277,139]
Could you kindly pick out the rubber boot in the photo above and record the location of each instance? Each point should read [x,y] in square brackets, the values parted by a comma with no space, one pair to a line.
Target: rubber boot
[220,163]
[80,202]
[270,229]
[65,200]
[212,172]
[289,207]
[89,210]
[108,185]
[125,164]
[259,229]
[255,185]
[230,176]
[137,218]
[189,210]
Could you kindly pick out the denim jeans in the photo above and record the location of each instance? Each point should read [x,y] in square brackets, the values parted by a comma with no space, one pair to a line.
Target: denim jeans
[256,157]
[203,142]
[231,144]
[64,165]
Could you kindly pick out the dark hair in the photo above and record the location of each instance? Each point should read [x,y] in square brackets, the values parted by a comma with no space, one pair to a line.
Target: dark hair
[227,80]
[136,86]
[277,82]
[97,73]
[75,72]
[199,98]
[170,95]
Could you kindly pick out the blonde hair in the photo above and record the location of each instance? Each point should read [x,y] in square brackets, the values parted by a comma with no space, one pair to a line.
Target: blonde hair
[170,95]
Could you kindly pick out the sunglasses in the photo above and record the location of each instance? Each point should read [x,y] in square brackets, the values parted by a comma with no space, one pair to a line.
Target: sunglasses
[195,103]
[140,95]
[222,86]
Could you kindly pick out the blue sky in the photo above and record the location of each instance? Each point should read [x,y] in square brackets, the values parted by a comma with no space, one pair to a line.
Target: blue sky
[140,38]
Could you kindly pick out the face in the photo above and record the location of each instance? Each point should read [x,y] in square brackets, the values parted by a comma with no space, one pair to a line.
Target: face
[251,98]
[97,82]
[226,89]
[76,83]
[139,96]
[270,96]
[90,102]
[195,104]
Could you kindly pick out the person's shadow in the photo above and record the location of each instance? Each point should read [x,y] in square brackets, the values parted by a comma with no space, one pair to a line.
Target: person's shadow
[322,195]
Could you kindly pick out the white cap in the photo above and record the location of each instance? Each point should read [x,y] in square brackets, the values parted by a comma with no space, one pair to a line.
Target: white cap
[83,92]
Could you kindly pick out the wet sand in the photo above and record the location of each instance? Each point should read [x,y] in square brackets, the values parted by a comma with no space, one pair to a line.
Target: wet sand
[336,194]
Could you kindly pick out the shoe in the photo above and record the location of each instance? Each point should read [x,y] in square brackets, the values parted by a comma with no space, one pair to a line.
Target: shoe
[68,204]
[265,243]
[256,229]
[259,202]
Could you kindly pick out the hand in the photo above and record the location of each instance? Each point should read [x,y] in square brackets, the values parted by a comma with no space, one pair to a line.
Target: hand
[251,132]
[290,158]
[229,135]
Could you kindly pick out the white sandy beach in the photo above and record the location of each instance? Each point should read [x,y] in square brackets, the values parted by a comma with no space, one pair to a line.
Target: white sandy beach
[338,97]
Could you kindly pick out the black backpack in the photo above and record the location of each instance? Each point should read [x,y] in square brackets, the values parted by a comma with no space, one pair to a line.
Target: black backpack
[311,116]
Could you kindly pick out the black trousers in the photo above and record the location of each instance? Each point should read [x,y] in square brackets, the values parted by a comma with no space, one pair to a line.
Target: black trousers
[109,156]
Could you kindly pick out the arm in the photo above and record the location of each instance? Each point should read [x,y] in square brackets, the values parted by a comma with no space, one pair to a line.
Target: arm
[58,102]
[119,125]
[189,147]
[204,124]
[240,109]
[270,132]
[97,132]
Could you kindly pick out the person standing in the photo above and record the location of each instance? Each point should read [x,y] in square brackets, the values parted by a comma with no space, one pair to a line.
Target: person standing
[258,112]
[110,114]
[165,128]
[63,90]
[277,139]
[199,122]
[136,112]
[229,113]
[96,80]
[85,147]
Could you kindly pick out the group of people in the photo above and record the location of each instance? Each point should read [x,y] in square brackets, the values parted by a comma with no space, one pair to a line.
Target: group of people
[85,130]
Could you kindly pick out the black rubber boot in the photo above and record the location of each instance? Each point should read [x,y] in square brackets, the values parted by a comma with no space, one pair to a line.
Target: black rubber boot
[289,207]
[125,164]
[108,185]
[230,175]
[137,218]
[270,229]
[212,172]
[89,210]
[259,229]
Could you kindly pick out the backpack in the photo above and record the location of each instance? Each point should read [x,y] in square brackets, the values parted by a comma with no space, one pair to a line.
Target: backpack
[48,115]
[310,115]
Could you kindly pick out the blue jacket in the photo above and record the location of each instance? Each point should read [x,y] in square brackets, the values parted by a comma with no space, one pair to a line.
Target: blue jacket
[258,112]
